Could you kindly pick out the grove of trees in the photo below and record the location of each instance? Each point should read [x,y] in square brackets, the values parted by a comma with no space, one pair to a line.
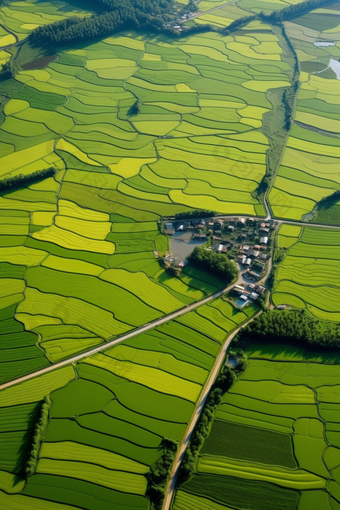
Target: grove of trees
[293,326]
[217,264]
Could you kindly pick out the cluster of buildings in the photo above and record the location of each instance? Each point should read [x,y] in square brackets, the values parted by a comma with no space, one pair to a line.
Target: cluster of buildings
[252,294]
[244,240]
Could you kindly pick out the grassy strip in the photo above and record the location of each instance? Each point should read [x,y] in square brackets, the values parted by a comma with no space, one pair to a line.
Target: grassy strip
[159,473]
[19,181]
[38,437]
[277,123]
[224,381]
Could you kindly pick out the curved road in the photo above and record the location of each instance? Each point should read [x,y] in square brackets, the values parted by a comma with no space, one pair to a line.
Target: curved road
[171,487]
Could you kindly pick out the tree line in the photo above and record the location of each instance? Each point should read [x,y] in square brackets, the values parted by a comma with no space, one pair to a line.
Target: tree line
[196,213]
[120,15]
[19,181]
[159,473]
[147,15]
[38,437]
[223,383]
[292,326]
[217,264]
[292,11]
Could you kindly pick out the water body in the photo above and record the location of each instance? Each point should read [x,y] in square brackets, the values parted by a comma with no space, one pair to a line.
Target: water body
[182,245]
[323,43]
[335,65]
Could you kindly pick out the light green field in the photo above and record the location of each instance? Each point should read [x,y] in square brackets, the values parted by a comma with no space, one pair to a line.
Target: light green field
[298,479]
[309,276]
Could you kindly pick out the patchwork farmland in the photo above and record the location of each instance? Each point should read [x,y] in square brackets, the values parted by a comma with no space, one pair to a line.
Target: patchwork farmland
[308,277]
[273,442]
[120,123]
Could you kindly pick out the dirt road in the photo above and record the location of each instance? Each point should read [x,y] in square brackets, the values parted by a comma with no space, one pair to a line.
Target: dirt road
[197,412]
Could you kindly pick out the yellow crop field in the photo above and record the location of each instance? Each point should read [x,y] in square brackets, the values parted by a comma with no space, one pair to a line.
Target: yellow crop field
[35,389]
[92,229]
[67,208]
[141,285]
[150,377]
[71,265]
[74,241]
[71,311]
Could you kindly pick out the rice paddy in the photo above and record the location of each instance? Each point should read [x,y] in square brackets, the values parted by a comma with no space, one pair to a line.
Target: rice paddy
[111,411]
[308,277]
[271,442]
[309,170]
[139,128]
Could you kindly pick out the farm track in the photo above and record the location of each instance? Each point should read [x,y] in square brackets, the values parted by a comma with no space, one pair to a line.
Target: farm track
[112,342]
[196,414]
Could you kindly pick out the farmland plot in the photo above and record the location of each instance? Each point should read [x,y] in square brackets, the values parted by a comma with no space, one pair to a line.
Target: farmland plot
[87,236]
[273,442]
[309,172]
[309,277]
[106,427]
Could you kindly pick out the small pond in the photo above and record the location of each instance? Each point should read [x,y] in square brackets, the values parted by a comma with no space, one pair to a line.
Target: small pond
[335,65]
[324,43]
[182,245]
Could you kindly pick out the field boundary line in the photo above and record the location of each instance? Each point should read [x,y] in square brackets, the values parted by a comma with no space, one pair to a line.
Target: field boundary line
[171,486]
[116,340]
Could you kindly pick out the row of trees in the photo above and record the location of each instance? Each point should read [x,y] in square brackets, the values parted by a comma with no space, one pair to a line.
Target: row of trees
[38,437]
[147,15]
[159,473]
[224,381]
[292,326]
[19,181]
[293,11]
[217,264]
[195,213]
[122,14]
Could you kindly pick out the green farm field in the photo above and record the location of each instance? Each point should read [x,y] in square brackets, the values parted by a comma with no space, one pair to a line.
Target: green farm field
[110,413]
[308,276]
[135,123]
[272,441]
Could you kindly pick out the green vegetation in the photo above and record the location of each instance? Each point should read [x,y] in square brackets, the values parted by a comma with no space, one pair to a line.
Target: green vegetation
[121,15]
[20,181]
[242,494]
[224,381]
[249,443]
[159,473]
[217,264]
[197,213]
[38,435]
[294,326]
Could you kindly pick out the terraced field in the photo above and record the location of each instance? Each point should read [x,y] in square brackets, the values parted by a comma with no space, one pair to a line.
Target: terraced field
[107,424]
[18,19]
[140,127]
[272,443]
[309,171]
[82,244]
[308,277]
